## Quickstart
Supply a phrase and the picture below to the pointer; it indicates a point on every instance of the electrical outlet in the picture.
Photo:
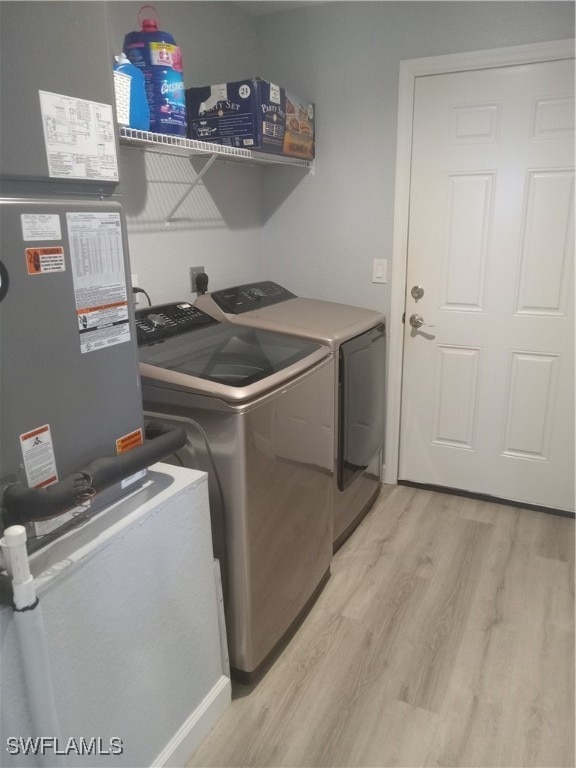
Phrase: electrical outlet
(194, 272)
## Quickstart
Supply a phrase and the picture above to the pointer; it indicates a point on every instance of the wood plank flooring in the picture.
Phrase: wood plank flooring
(445, 637)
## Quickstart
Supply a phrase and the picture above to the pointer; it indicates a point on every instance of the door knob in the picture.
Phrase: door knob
(417, 292)
(417, 321)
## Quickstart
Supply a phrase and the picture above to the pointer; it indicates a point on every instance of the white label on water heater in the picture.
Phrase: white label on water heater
(40, 226)
(38, 456)
(100, 291)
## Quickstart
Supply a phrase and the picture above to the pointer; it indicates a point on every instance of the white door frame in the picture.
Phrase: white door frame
(410, 69)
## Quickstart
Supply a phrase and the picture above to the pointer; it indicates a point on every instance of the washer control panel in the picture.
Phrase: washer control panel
(164, 321)
(251, 296)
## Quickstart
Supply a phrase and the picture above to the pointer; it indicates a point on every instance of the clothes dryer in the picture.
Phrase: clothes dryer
(253, 406)
(357, 339)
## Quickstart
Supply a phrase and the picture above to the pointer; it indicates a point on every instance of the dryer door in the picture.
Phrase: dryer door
(361, 402)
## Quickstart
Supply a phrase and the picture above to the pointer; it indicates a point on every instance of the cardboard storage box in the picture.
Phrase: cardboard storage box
(252, 114)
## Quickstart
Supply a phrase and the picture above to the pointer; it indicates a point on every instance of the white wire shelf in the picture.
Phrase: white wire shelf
(176, 145)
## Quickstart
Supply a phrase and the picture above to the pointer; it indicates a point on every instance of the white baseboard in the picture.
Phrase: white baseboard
(179, 750)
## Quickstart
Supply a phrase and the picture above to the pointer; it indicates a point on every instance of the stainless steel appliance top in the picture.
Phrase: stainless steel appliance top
(267, 305)
(183, 348)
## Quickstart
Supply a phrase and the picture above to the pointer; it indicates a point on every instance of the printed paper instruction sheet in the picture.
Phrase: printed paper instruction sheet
(79, 136)
(100, 290)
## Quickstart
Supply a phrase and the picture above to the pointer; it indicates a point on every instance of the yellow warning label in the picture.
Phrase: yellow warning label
(132, 440)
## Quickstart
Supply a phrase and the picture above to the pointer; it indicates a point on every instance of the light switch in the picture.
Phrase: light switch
(380, 271)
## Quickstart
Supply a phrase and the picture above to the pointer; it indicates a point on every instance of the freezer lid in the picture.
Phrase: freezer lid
(227, 361)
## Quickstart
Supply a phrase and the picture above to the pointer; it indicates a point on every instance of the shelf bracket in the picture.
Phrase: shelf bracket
(191, 186)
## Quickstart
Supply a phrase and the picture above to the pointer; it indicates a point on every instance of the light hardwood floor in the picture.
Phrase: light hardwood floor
(445, 637)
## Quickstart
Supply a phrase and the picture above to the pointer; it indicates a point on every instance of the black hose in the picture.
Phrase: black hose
(24, 504)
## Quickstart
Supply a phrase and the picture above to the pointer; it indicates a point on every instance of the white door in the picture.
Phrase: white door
(488, 391)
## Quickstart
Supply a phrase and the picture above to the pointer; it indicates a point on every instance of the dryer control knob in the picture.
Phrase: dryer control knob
(157, 321)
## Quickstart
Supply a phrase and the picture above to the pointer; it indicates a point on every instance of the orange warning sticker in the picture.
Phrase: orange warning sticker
(41, 261)
(126, 443)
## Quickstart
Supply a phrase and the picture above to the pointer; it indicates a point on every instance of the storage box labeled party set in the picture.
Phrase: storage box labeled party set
(252, 114)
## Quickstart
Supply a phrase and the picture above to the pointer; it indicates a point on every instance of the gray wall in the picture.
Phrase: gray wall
(321, 237)
(317, 234)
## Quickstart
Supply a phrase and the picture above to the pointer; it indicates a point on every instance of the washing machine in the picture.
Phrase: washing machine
(253, 406)
(357, 340)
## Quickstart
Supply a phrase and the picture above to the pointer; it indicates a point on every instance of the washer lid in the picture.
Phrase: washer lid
(232, 362)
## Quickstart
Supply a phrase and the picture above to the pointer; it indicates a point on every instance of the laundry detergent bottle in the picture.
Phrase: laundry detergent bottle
(132, 107)
(155, 53)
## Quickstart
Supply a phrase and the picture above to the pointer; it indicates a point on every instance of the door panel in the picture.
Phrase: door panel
(488, 381)
(531, 405)
(469, 222)
(455, 396)
(547, 243)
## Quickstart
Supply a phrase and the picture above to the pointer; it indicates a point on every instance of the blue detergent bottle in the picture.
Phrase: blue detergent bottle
(132, 108)
(156, 54)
